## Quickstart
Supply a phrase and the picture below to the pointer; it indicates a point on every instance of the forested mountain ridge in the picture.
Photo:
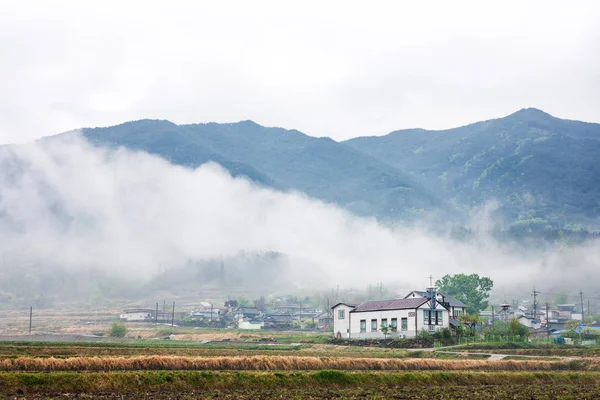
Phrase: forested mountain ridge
(542, 170)
(282, 159)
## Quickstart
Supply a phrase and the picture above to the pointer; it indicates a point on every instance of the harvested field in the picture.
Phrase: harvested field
(540, 392)
(13, 349)
(173, 383)
(273, 363)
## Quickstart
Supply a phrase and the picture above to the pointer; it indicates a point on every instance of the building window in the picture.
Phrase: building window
(457, 313)
(384, 323)
(426, 317)
(395, 323)
(373, 325)
(363, 325)
(404, 324)
(432, 327)
(438, 318)
(341, 314)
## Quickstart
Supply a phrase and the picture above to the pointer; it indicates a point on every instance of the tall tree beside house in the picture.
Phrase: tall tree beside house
(472, 290)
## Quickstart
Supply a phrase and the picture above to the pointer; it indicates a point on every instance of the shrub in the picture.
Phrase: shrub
(117, 330)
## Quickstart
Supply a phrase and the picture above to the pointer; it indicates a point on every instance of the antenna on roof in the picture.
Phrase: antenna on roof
(432, 293)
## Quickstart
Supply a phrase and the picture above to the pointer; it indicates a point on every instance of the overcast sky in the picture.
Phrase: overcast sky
(335, 69)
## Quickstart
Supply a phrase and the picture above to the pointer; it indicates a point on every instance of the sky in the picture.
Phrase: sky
(337, 69)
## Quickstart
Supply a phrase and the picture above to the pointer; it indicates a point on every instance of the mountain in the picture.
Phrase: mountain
(542, 170)
(282, 159)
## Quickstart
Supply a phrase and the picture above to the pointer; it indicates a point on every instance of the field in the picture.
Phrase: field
(59, 361)
(183, 370)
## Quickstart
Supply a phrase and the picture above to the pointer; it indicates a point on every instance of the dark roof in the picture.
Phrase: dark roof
(394, 304)
(249, 310)
(346, 304)
(455, 322)
(448, 299)
(279, 318)
(452, 301)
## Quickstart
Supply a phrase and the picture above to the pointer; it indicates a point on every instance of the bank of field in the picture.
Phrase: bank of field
(285, 363)
(56, 349)
(238, 383)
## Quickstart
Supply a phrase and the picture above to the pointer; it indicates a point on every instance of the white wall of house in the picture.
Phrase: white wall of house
(414, 322)
(135, 316)
(250, 325)
(341, 320)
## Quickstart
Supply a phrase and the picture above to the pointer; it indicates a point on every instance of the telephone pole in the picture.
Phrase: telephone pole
(535, 293)
(547, 322)
(581, 297)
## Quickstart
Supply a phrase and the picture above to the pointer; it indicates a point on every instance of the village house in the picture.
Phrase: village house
(400, 317)
(137, 315)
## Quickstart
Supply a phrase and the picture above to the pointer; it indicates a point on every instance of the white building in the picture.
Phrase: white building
(406, 317)
(250, 323)
(137, 314)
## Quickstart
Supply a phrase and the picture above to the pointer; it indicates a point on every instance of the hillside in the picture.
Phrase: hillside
(283, 159)
(542, 170)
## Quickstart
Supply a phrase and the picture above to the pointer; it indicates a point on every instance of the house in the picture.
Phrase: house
(529, 322)
(250, 323)
(278, 321)
(247, 312)
(248, 318)
(407, 317)
(325, 320)
(137, 315)
(206, 314)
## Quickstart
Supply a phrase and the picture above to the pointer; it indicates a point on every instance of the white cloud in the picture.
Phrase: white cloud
(65, 203)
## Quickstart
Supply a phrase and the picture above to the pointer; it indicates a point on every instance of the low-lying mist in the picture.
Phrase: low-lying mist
(67, 204)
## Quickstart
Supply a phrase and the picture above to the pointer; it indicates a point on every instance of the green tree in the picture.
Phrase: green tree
(470, 321)
(560, 298)
(243, 301)
(515, 328)
(472, 290)
(117, 330)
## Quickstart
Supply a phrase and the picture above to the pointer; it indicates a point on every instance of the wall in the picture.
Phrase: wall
(411, 332)
(247, 325)
(142, 316)
(341, 325)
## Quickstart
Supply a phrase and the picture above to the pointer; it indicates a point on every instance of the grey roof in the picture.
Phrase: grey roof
(448, 299)
(452, 301)
(394, 304)
(455, 322)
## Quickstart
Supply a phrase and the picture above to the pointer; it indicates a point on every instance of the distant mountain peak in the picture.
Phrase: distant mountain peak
(530, 113)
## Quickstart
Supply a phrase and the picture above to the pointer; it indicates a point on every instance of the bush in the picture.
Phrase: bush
(117, 330)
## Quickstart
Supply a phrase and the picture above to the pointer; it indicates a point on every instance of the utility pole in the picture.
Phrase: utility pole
(547, 323)
(581, 297)
(588, 310)
(30, 317)
(164, 312)
(535, 293)
(492, 317)
(173, 316)
(582, 323)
